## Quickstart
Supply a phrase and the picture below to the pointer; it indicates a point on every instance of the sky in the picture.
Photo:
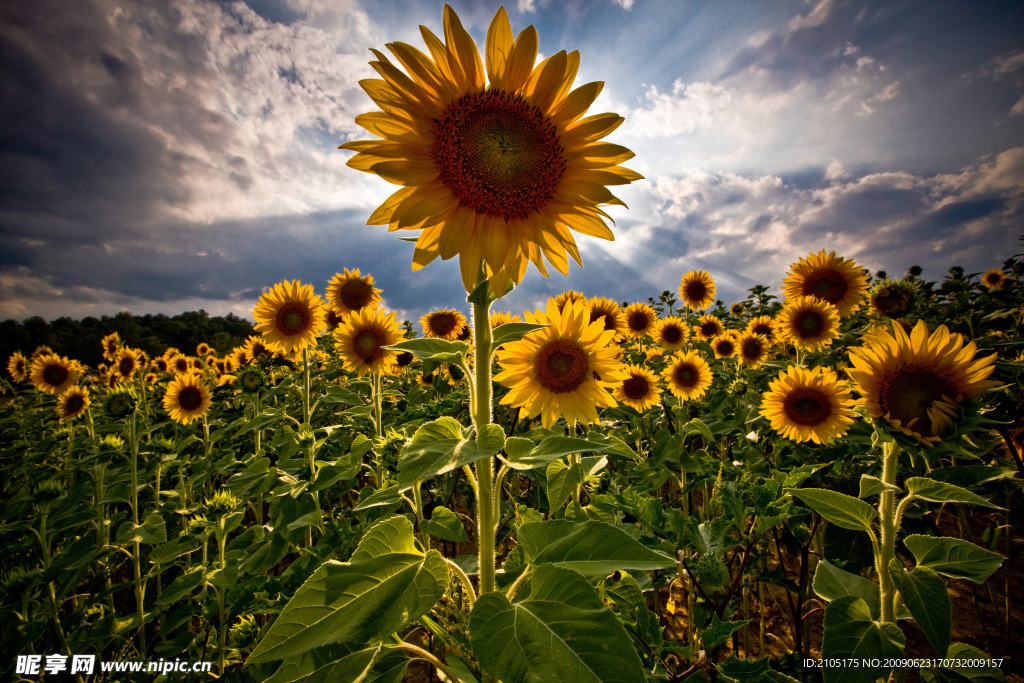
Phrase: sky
(159, 156)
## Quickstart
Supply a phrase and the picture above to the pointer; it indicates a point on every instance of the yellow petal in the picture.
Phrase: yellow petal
(462, 48)
(382, 215)
(577, 102)
(522, 59)
(406, 172)
(591, 128)
(498, 47)
(545, 80)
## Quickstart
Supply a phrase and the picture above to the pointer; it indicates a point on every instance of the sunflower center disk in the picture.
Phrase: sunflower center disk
(292, 319)
(696, 291)
(562, 366)
(356, 294)
(907, 394)
(498, 154)
(190, 398)
(672, 334)
(442, 324)
(638, 322)
(828, 285)
(807, 407)
(810, 324)
(752, 349)
(635, 388)
(367, 345)
(126, 366)
(55, 375)
(685, 376)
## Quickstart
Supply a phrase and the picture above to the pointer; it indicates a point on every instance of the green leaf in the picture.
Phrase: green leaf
(871, 486)
(590, 548)
(925, 595)
(719, 631)
(831, 583)
(181, 586)
(523, 455)
(382, 498)
(840, 509)
(953, 557)
(336, 393)
(510, 332)
(433, 349)
(440, 446)
(558, 631)
(697, 426)
(851, 634)
(562, 482)
(375, 664)
(387, 584)
(444, 524)
(257, 475)
(223, 578)
(168, 552)
(152, 530)
(941, 492)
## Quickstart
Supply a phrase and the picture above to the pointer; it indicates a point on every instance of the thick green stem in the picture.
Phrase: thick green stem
(140, 588)
(485, 517)
(887, 526)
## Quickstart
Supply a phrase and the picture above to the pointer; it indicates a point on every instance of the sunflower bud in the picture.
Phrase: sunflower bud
(243, 633)
(710, 571)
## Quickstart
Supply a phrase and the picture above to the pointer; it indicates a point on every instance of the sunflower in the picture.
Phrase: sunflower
(765, 326)
(72, 403)
(501, 318)
(120, 403)
(159, 365)
(709, 327)
(639, 390)
(352, 291)
(671, 333)
(892, 299)
(126, 361)
(737, 308)
(917, 382)
(500, 173)
(725, 345)
(752, 349)
(110, 344)
(17, 367)
(53, 374)
(203, 349)
(839, 281)
(251, 380)
(640, 319)
(808, 405)
(188, 398)
(610, 313)
(994, 279)
(688, 375)
(697, 290)
(257, 349)
(179, 364)
(565, 369)
(446, 323)
(425, 379)
(290, 316)
(809, 323)
(570, 295)
(404, 359)
(362, 337)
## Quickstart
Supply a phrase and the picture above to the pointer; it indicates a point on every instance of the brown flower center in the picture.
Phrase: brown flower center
(562, 366)
(367, 345)
(636, 388)
(190, 398)
(55, 375)
(442, 323)
(892, 302)
(752, 348)
(696, 290)
(126, 366)
(606, 318)
(638, 321)
(498, 154)
(356, 294)
(725, 347)
(292, 319)
(829, 285)
(672, 334)
(74, 404)
(807, 407)
(709, 328)
(907, 393)
(403, 359)
(810, 324)
(685, 375)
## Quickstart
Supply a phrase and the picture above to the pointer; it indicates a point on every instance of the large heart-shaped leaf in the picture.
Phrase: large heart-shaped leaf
(559, 630)
(925, 595)
(941, 492)
(591, 548)
(852, 635)
(840, 509)
(441, 446)
(953, 557)
(341, 664)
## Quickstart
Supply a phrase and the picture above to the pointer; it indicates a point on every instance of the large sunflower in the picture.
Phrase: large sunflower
(708, 327)
(640, 319)
(565, 369)
(290, 316)
(72, 403)
(671, 333)
(809, 323)
(688, 375)
(765, 326)
(808, 405)
(496, 163)
(753, 349)
(837, 280)
(361, 339)
(126, 361)
(610, 314)
(994, 279)
(351, 291)
(639, 390)
(446, 323)
(917, 382)
(697, 290)
(53, 374)
(725, 345)
(188, 398)
(17, 366)
(892, 299)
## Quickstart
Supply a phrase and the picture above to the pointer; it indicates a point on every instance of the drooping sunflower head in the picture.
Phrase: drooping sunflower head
(188, 398)
(765, 326)
(688, 375)
(53, 374)
(917, 382)
(564, 370)
(994, 279)
(809, 323)
(640, 319)
(639, 390)
(111, 343)
(709, 327)
(120, 403)
(837, 280)
(17, 366)
(251, 379)
(752, 349)
(671, 333)
(290, 316)
(446, 323)
(725, 345)
(72, 403)
(362, 337)
(610, 314)
(351, 291)
(892, 299)
(808, 405)
(570, 296)
(496, 162)
(697, 290)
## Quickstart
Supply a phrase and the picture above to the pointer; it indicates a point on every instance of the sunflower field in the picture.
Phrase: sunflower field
(822, 485)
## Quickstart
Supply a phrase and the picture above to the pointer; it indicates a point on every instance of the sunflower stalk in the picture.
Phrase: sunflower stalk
(887, 526)
(484, 467)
